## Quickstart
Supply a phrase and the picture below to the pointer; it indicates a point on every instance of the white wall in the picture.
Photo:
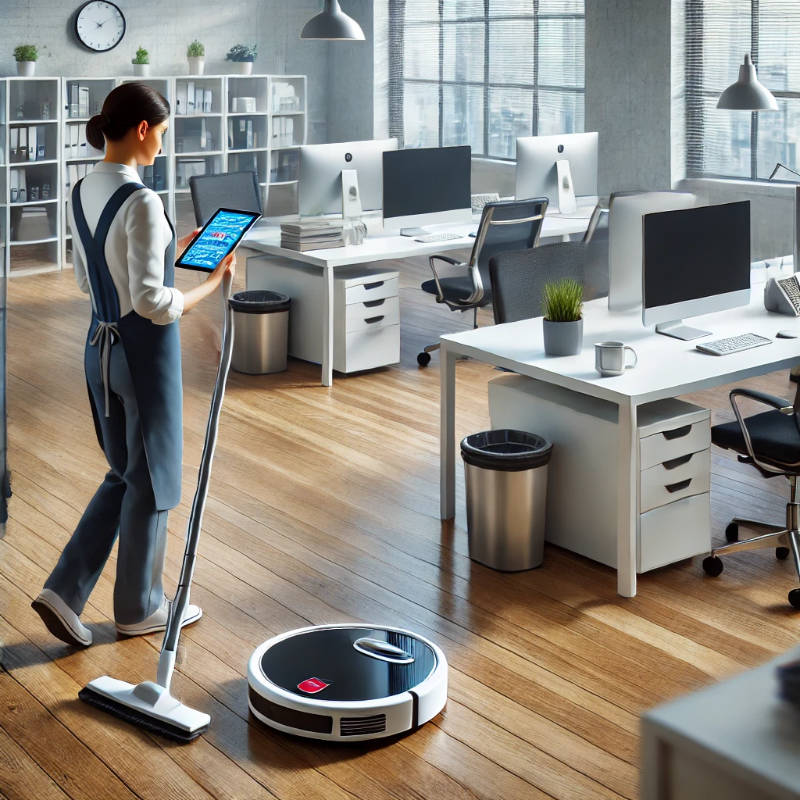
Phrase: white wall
(165, 28)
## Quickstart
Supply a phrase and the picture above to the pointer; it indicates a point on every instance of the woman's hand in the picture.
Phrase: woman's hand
(183, 242)
(225, 267)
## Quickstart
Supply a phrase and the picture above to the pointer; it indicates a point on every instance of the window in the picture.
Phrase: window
(482, 72)
(740, 144)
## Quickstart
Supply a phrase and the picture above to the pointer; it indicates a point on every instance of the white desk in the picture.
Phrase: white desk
(380, 247)
(667, 368)
(736, 739)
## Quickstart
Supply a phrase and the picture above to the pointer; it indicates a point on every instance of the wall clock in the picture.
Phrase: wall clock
(99, 25)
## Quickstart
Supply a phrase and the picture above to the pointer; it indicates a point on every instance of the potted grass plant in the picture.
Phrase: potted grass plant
(25, 55)
(141, 62)
(243, 56)
(196, 53)
(562, 307)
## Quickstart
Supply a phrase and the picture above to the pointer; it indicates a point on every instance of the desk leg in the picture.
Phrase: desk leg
(327, 327)
(447, 432)
(627, 500)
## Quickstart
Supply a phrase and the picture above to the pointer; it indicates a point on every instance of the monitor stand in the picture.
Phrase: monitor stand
(678, 330)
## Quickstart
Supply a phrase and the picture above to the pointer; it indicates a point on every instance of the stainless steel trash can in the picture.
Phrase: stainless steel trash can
(506, 477)
(261, 325)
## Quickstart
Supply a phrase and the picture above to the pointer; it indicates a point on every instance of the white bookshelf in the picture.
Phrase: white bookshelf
(243, 122)
(30, 175)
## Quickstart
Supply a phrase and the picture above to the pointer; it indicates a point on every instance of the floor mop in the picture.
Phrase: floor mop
(149, 704)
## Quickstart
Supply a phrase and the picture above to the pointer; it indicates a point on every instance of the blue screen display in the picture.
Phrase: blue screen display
(217, 240)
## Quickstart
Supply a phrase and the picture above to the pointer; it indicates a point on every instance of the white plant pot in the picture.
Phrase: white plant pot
(197, 65)
(141, 70)
(244, 67)
(26, 68)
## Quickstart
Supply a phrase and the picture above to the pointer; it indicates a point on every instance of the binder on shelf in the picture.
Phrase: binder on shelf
(72, 90)
(199, 99)
(82, 144)
(208, 101)
(181, 98)
(32, 148)
(190, 97)
(22, 147)
(13, 145)
(83, 101)
(41, 142)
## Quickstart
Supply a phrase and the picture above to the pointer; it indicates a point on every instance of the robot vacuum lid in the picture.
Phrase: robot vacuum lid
(347, 663)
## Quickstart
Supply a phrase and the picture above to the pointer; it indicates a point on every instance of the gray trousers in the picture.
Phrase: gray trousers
(124, 505)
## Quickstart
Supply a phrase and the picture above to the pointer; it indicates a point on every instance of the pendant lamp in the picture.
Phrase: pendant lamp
(333, 24)
(747, 94)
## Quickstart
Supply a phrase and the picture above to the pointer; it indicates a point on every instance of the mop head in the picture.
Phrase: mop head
(147, 705)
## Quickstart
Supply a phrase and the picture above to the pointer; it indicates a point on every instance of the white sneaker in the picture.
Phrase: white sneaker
(157, 621)
(60, 619)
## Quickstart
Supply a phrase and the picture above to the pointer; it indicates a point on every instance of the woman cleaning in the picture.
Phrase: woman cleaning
(124, 254)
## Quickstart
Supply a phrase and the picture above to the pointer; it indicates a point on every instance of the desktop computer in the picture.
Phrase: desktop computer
(425, 186)
(538, 171)
(695, 261)
(625, 213)
(321, 165)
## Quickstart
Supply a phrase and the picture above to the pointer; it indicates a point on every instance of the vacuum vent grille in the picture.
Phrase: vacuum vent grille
(360, 726)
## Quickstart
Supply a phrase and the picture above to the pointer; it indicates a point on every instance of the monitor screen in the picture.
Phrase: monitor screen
(696, 253)
(426, 180)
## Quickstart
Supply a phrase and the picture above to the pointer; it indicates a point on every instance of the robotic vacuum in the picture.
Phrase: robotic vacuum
(347, 682)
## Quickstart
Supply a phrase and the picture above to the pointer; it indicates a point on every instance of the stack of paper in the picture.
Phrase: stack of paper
(311, 235)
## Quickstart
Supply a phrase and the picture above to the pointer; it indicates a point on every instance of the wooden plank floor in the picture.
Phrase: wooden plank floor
(324, 508)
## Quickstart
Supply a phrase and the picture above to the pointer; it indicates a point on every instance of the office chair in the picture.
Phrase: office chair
(506, 225)
(770, 441)
(517, 278)
(237, 190)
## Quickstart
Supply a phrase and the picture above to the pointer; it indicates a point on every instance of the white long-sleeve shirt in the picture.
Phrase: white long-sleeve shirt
(135, 246)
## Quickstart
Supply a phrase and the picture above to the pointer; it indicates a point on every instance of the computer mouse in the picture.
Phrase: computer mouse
(787, 334)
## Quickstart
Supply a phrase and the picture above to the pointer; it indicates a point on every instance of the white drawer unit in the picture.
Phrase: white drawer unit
(674, 463)
(366, 311)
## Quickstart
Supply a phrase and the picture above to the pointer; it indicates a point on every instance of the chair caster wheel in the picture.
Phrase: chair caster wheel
(423, 359)
(781, 553)
(713, 566)
(794, 598)
(732, 532)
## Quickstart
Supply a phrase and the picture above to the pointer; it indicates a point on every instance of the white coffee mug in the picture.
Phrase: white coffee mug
(609, 358)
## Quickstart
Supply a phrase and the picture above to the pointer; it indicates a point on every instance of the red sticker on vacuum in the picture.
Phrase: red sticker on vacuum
(312, 685)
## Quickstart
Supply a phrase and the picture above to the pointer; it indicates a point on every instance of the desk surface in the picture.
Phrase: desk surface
(380, 246)
(667, 367)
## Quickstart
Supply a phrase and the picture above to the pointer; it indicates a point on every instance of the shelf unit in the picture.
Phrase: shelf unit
(243, 122)
(30, 175)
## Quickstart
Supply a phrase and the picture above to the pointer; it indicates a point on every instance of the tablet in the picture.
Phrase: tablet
(218, 237)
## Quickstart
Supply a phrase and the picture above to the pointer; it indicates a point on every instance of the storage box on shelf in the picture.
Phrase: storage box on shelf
(31, 186)
(674, 463)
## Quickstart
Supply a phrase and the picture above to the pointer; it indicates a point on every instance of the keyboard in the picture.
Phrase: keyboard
(438, 237)
(733, 344)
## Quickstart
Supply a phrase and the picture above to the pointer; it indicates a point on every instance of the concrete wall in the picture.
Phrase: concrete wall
(165, 29)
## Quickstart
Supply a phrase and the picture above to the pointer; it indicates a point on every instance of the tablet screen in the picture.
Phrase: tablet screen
(218, 237)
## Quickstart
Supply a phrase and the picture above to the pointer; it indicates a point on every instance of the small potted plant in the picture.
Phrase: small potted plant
(25, 56)
(563, 321)
(141, 62)
(196, 52)
(243, 56)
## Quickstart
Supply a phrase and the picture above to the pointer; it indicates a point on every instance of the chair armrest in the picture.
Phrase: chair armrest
(784, 406)
(448, 260)
(778, 403)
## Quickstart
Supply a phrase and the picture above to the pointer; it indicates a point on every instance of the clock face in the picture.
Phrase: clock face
(99, 25)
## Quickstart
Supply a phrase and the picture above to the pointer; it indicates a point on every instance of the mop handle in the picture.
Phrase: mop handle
(166, 661)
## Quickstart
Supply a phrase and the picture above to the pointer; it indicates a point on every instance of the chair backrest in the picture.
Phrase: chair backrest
(237, 190)
(507, 225)
(595, 241)
(518, 278)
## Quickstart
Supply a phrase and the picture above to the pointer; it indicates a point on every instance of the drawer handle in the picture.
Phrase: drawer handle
(374, 285)
(373, 303)
(677, 462)
(677, 433)
(676, 487)
(372, 320)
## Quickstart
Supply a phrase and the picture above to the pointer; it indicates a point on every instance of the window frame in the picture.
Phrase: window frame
(397, 80)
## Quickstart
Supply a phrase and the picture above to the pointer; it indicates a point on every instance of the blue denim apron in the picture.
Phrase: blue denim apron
(153, 353)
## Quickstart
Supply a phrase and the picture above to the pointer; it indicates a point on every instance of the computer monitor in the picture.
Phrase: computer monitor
(321, 165)
(626, 210)
(695, 261)
(537, 174)
(425, 186)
